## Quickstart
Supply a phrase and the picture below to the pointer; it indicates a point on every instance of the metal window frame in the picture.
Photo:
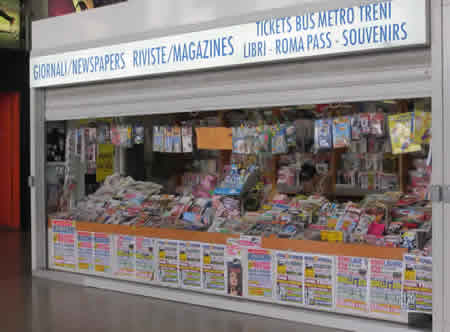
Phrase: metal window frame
(414, 82)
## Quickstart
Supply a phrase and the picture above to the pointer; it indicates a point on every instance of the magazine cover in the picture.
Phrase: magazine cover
(235, 272)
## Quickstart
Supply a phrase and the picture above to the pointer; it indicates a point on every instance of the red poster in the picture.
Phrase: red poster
(63, 7)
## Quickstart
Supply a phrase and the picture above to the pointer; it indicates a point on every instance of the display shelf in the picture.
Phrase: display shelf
(56, 163)
(345, 191)
(274, 243)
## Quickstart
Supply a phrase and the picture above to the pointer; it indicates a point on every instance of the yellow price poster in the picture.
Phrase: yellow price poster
(309, 273)
(105, 161)
(183, 256)
(207, 259)
(282, 269)
(410, 275)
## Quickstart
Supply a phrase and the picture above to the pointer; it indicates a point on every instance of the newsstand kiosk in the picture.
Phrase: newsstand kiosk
(152, 171)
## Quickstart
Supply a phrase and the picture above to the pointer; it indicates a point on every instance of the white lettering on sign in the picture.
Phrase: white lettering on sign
(381, 25)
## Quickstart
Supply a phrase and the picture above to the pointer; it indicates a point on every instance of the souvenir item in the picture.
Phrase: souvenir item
(365, 123)
(356, 127)
(115, 135)
(323, 134)
(176, 137)
(422, 127)
(377, 124)
(168, 140)
(238, 140)
(401, 133)
(279, 143)
(186, 133)
(103, 133)
(156, 139)
(341, 132)
(138, 133)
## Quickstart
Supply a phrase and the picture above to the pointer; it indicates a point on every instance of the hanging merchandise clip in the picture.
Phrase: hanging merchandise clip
(436, 193)
(446, 194)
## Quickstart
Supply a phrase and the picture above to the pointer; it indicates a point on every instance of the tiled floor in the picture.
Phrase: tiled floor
(40, 305)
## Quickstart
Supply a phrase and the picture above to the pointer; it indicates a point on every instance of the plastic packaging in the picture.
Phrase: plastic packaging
(377, 124)
(341, 132)
(186, 133)
(323, 134)
(401, 133)
(138, 133)
(356, 127)
(279, 143)
(422, 127)
(365, 123)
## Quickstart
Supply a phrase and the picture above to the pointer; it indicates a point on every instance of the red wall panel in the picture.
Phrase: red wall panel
(10, 160)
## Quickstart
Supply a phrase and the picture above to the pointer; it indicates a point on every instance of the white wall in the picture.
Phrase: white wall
(127, 21)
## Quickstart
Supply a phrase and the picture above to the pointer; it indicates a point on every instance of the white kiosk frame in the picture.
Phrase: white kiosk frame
(406, 73)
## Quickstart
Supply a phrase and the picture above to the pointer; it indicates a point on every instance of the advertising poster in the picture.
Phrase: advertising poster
(102, 253)
(352, 283)
(125, 256)
(190, 264)
(10, 15)
(386, 286)
(64, 7)
(64, 242)
(85, 251)
(145, 259)
(259, 273)
(289, 277)
(58, 243)
(248, 241)
(319, 271)
(168, 262)
(214, 276)
(105, 161)
(233, 256)
(418, 283)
